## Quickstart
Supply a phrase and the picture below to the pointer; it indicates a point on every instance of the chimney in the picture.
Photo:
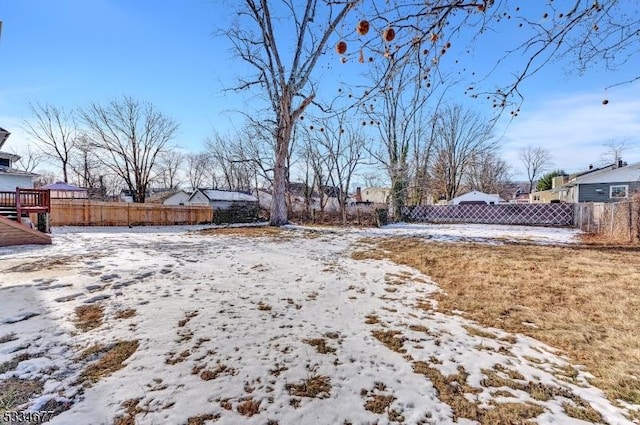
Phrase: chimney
(358, 194)
(620, 163)
(591, 166)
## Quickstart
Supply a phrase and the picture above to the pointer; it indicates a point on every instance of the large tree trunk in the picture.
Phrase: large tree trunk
(278, 200)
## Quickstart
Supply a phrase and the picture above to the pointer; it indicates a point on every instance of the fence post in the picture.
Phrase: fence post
(613, 213)
(578, 210)
(630, 222)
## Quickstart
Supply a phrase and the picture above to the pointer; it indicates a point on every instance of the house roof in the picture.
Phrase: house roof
(4, 135)
(12, 156)
(62, 186)
(627, 173)
(14, 172)
(227, 195)
(162, 197)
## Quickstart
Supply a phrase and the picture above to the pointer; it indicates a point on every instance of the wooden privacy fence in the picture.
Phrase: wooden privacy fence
(82, 212)
(619, 221)
(527, 214)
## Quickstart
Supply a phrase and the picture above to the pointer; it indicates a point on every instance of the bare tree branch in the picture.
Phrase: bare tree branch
(130, 135)
(54, 130)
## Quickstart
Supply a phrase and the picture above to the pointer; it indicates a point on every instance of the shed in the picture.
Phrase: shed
(477, 197)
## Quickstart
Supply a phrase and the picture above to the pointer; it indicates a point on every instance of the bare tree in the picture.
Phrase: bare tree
(85, 164)
(614, 149)
(198, 164)
(340, 147)
(487, 173)
(44, 178)
(317, 161)
(536, 161)
(54, 131)
(461, 135)
(169, 164)
(130, 136)
(265, 41)
(29, 160)
(405, 131)
(228, 158)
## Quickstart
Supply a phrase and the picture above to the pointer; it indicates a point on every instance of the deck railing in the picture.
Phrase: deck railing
(27, 201)
(7, 199)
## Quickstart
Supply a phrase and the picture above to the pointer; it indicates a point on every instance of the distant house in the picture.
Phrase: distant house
(612, 183)
(181, 197)
(476, 197)
(62, 190)
(221, 199)
(551, 195)
(10, 178)
(127, 195)
(376, 195)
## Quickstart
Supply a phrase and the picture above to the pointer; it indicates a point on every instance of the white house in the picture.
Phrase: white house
(221, 199)
(477, 197)
(10, 178)
(376, 195)
(181, 197)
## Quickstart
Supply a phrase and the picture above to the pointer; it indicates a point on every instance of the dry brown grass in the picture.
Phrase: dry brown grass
(187, 317)
(112, 361)
(320, 345)
(209, 374)
(582, 299)
(263, 307)
(389, 339)
(200, 420)
(125, 314)
(131, 405)
(378, 403)
(15, 392)
(95, 349)
(89, 316)
(12, 364)
(452, 389)
(252, 231)
(317, 386)
(249, 407)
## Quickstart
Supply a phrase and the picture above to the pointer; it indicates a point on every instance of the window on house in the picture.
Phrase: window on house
(619, 191)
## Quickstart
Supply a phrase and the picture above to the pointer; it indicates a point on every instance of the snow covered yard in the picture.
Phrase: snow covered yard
(162, 326)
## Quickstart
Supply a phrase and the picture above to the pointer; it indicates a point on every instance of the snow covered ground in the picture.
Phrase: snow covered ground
(230, 328)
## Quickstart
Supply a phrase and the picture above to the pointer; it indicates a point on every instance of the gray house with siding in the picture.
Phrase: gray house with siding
(614, 183)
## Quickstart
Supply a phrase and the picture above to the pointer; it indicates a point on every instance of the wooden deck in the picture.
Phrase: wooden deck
(16, 205)
(14, 233)
(27, 200)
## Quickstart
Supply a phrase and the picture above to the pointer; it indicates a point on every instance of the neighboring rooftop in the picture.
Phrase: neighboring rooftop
(227, 195)
(610, 173)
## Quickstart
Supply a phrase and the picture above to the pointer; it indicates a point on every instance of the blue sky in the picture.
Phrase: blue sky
(73, 52)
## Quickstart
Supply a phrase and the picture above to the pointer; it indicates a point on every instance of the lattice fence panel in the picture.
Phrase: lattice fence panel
(529, 214)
